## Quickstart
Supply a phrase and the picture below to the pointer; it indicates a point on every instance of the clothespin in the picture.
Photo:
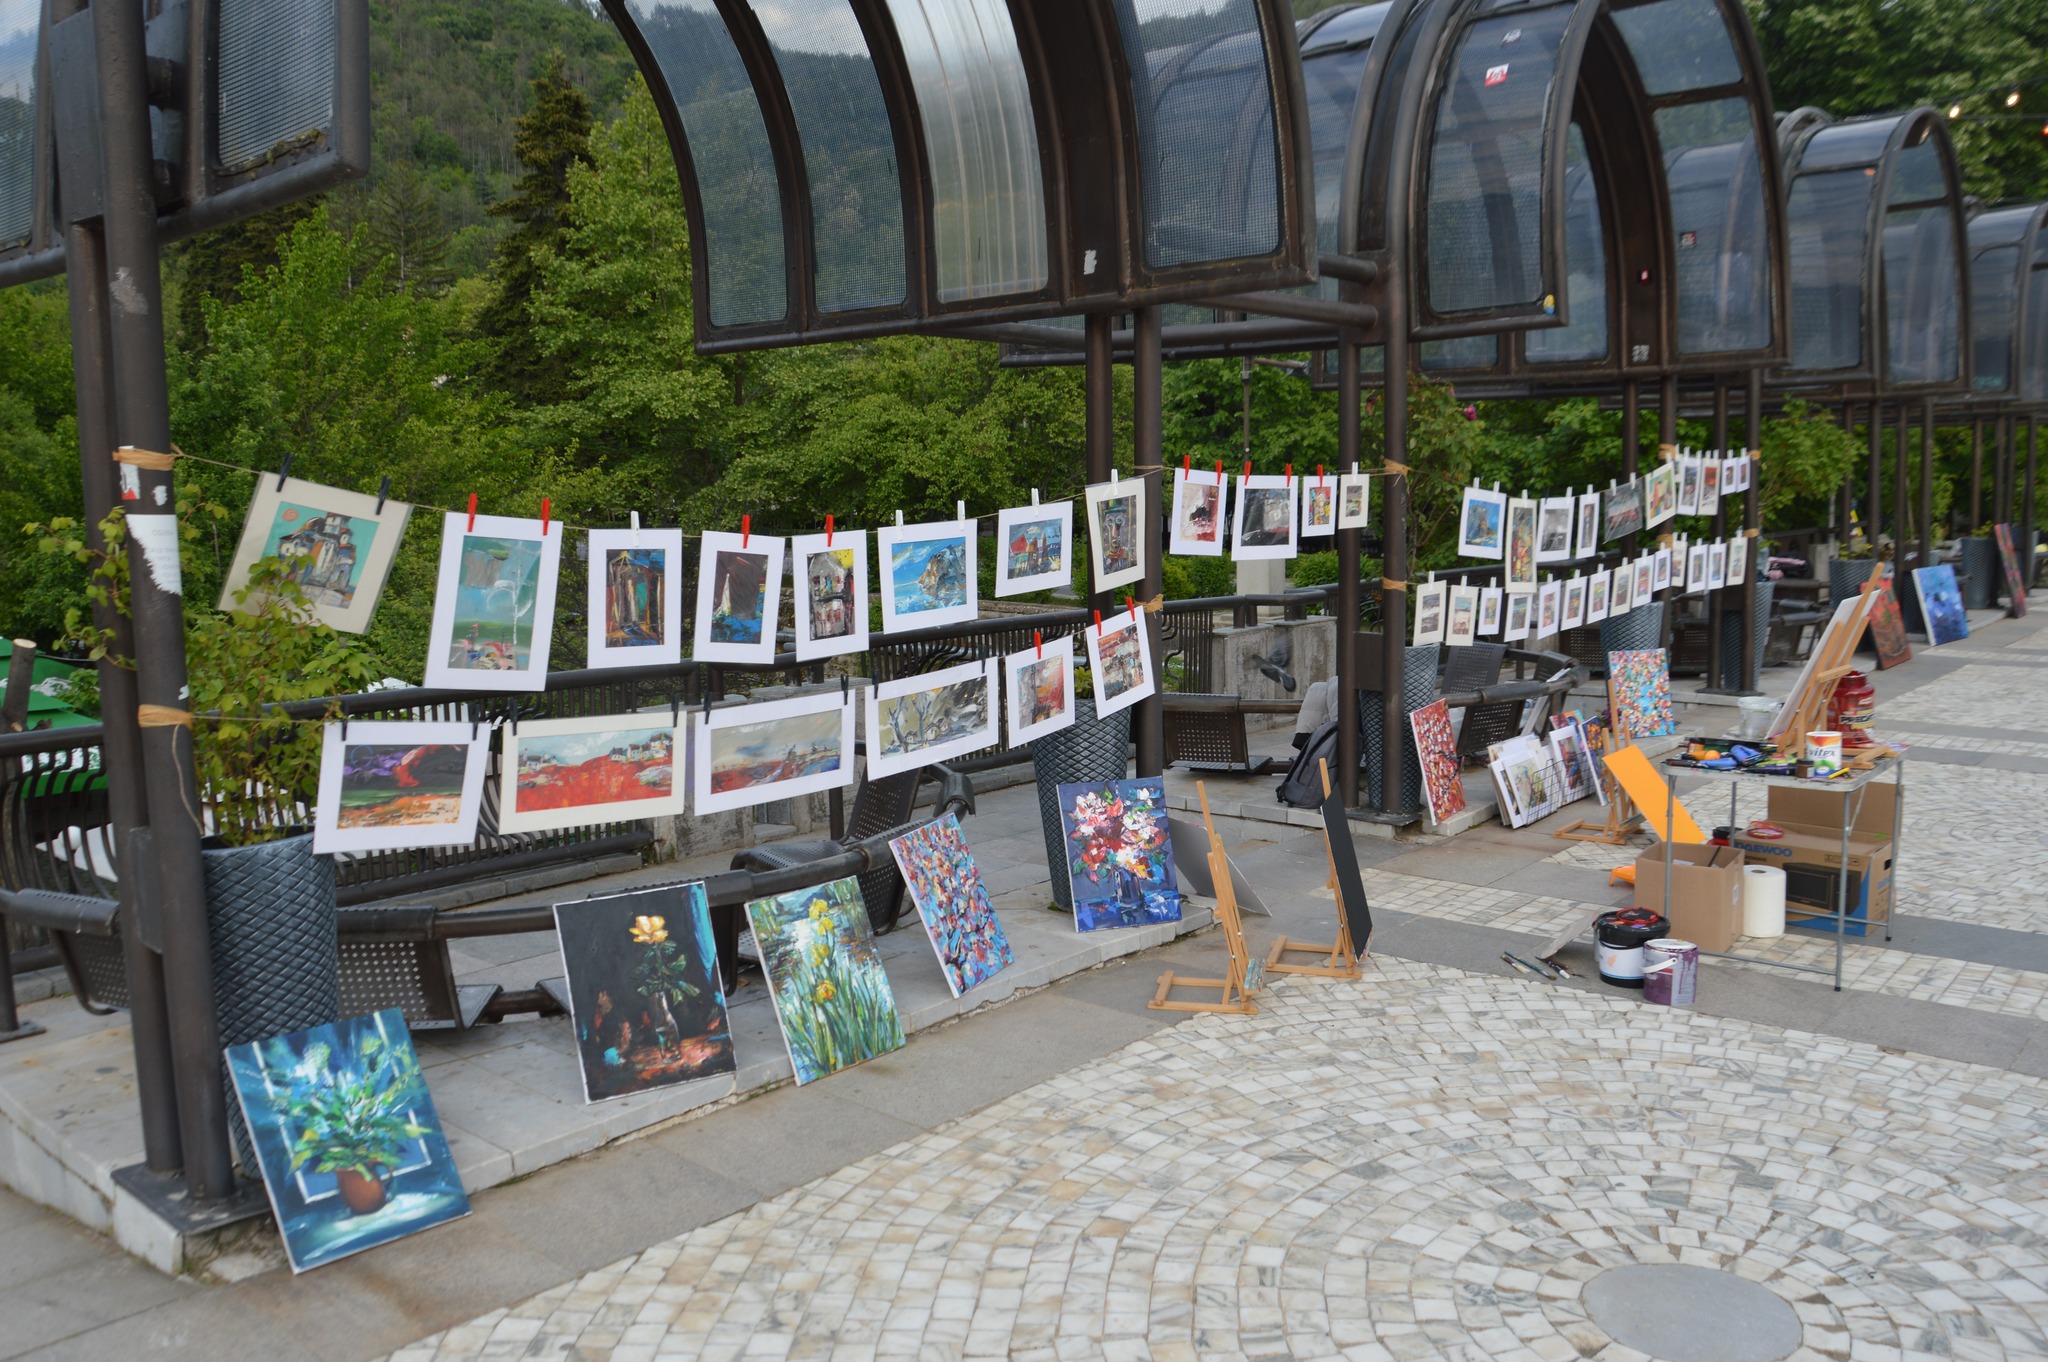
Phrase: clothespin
(1098, 623)
(1219, 472)
(1247, 467)
(828, 529)
(1034, 496)
(475, 726)
(746, 529)
(1185, 461)
(845, 689)
(383, 494)
(344, 730)
(675, 708)
(1319, 475)
(543, 517)
(959, 510)
(899, 520)
(472, 523)
(284, 470)
(1290, 475)
(1038, 641)
(707, 699)
(636, 528)
(1132, 602)
(513, 718)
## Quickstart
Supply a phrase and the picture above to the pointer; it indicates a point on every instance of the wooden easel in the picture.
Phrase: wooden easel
(1834, 657)
(1622, 815)
(1340, 958)
(1236, 988)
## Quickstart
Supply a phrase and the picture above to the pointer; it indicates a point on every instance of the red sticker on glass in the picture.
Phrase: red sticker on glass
(1496, 75)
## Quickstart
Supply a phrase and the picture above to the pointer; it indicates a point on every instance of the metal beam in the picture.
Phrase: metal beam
(1350, 601)
(1148, 721)
(1300, 307)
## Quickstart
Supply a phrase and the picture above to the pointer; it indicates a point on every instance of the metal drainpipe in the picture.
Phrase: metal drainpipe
(1631, 442)
(1753, 443)
(1148, 721)
(1899, 498)
(1977, 476)
(1099, 397)
(1350, 551)
(1926, 480)
(1714, 605)
(1394, 600)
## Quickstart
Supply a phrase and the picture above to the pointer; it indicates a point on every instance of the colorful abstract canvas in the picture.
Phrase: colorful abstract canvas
(1888, 629)
(1119, 853)
(951, 899)
(392, 786)
(1941, 604)
(1639, 693)
(1436, 751)
(494, 609)
(565, 773)
(644, 993)
(336, 545)
(351, 1149)
(831, 995)
(2015, 580)
(636, 597)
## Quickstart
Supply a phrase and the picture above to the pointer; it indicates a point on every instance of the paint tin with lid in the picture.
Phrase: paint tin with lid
(1671, 972)
(1618, 940)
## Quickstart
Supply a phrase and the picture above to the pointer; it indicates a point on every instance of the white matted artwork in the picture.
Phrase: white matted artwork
(396, 786)
(1489, 610)
(1116, 532)
(1596, 596)
(1660, 494)
(1621, 590)
(1120, 656)
(1265, 517)
(1696, 569)
(829, 573)
(1646, 583)
(1589, 526)
(1735, 474)
(1461, 625)
(743, 755)
(1738, 560)
(336, 544)
(1548, 600)
(1482, 524)
(739, 595)
(568, 773)
(1354, 501)
(1034, 548)
(1661, 567)
(1572, 613)
(1554, 529)
(1431, 600)
(1520, 573)
(1038, 684)
(1717, 565)
(928, 575)
(1318, 505)
(1710, 486)
(1688, 486)
(494, 603)
(1521, 605)
(636, 597)
(1197, 513)
(914, 721)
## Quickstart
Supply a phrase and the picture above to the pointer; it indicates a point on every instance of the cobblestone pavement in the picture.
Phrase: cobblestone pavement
(1424, 1163)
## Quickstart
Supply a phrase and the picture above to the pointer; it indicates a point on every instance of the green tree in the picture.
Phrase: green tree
(212, 264)
(406, 227)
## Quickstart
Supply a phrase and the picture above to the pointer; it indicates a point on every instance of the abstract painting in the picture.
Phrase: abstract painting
(1888, 629)
(1639, 693)
(1710, 486)
(2015, 580)
(914, 721)
(1596, 596)
(1040, 685)
(1548, 598)
(393, 786)
(1624, 512)
(1116, 532)
(1688, 486)
(777, 749)
(1119, 853)
(739, 595)
(831, 995)
(565, 773)
(1461, 625)
(829, 574)
(1034, 548)
(1354, 501)
(1267, 509)
(1318, 506)
(1489, 609)
(951, 899)
(1738, 560)
(351, 1149)
(336, 545)
(1695, 568)
(1574, 609)
(1588, 536)
(1430, 601)
(1520, 607)
(1554, 529)
(1197, 513)
(636, 597)
(1660, 494)
(644, 994)
(1120, 656)
(1521, 549)
(1941, 604)
(928, 575)
(494, 609)
(1481, 522)
(1436, 750)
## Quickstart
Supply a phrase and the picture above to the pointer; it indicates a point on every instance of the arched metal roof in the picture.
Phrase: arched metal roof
(855, 167)
(2008, 250)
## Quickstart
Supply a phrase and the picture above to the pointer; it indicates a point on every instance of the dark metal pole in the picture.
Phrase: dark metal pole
(1394, 574)
(1926, 481)
(1350, 552)
(1899, 498)
(1667, 449)
(2027, 509)
(1714, 610)
(1099, 395)
(21, 675)
(1977, 476)
(1753, 442)
(142, 419)
(1148, 721)
(1845, 501)
(1873, 496)
(1631, 441)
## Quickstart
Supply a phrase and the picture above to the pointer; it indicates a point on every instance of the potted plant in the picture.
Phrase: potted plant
(1091, 748)
(353, 1119)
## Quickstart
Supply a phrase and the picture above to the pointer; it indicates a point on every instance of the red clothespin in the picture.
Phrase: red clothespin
(543, 517)
(1219, 470)
(1247, 467)
(828, 531)
(1038, 642)
(1098, 621)
(1132, 602)
(1290, 472)
(1185, 461)
(472, 511)
(1319, 475)
(746, 529)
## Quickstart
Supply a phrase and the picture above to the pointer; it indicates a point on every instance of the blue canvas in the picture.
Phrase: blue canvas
(351, 1148)
(1119, 853)
(1941, 604)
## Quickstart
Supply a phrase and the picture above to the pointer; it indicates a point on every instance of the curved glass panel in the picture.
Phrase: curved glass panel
(2034, 377)
(1465, 352)
(19, 39)
(1485, 198)
(1922, 301)
(737, 185)
(1916, 173)
(1332, 80)
(1679, 45)
(276, 74)
(1208, 169)
(1356, 24)
(849, 156)
(1585, 256)
(1827, 221)
(988, 195)
(1992, 306)
(1720, 224)
(1848, 144)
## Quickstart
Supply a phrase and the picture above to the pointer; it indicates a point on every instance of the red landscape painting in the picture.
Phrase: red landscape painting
(573, 770)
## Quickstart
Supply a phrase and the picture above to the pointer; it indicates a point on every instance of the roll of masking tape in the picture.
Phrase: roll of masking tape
(1763, 901)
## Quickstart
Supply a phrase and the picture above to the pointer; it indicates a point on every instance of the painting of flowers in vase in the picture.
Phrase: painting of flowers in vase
(1119, 853)
(644, 995)
(832, 996)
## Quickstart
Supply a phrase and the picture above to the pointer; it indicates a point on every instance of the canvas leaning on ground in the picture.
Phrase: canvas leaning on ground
(565, 773)
(350, 1146)
(831, 995)
(745, 755)
(914, 721)
(337, 546)
(1941, 604)
(636, 597)
(829, 573)
(1436, 751)
(939, 871)
(644, 994)
(388, 786)
(739, 595)
(494, 608)
(1119, 853)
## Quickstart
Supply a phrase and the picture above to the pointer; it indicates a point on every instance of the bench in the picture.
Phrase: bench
(1206, 732)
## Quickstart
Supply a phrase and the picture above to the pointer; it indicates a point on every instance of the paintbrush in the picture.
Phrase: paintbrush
(1542, 968)
(1517, 964)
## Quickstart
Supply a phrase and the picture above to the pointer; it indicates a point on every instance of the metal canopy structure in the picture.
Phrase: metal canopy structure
(2008, 319)
(858, 167)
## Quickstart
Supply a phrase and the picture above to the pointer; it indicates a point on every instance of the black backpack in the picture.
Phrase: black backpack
(1302, 786)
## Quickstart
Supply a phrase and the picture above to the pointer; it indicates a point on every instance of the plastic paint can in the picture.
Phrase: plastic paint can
(1671, 972)
(1618, 940)
(1824, 750)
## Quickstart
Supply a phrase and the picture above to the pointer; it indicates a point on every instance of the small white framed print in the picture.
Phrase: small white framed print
(1717, 565)
(1596, 596)
(1738, 560)
(1574, 608)
(337, 545)
(1120, 656)
(1354, 501)
(1554, 529)
(1663, 566)
(1696, 569)
(1461, 625)
(1034, 548)
(1520, 606)
(1489, 610)
(1266, 517)
(1198, 513)
(743, 755)
(1688, 486)
(1621, 590)
(1710, 486)
(1735, 474)
(829, 573)
(1482, 524)
(1318, 505)
(1646, 579)
(1548, 600)
(1038, 685)
(494, 603)
(636, 597)
(928, 575)
(1431, 601)
(1520, 574)
(388, 786)
(568, 773)
(1589, 526)
(914, 721)
(739, 596)
(1116, 532)
(1660, 494)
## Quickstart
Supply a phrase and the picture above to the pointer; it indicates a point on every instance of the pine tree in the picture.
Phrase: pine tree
(210, 265)
(552, 135)
(406, 224)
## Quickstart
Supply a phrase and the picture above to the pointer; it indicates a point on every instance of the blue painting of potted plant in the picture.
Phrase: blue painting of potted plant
(356, 1120)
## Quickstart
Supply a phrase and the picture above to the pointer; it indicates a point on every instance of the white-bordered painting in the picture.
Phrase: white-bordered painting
(1120, 656)
(1354, 501)
(743, 755)
(1689, 485)
(1548, 598)
(829, 577)
(337, 545)
(1520, 574)
(494, 606)
(1554, 521)
(1520, 605)
(1660, 494)
(567, 773)
(1116, 532)
(914, 721)
(1198, 513)
(928, 575)
(1489, 610)
(1574, 609)
(1318, 505)
(1738, 560)
(1461, 624)
(1038, 686)
(1034, 548)
(1482, 524)
(1596, 596)
(394, 786)
(1432, 602)
(1589, 526)
(1662, 567)
(1717, 565)
(636, 598)
(739, 596)
(1265, 518)
(1695, 569)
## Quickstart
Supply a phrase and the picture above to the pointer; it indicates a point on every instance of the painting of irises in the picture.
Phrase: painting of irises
(644, 994)
(953, 902)
(832, 997)
(1119, 853)
(350, 1146)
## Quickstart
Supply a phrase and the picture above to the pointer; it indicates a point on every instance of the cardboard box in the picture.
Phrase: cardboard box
(1810, 854)
(1706, 891)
